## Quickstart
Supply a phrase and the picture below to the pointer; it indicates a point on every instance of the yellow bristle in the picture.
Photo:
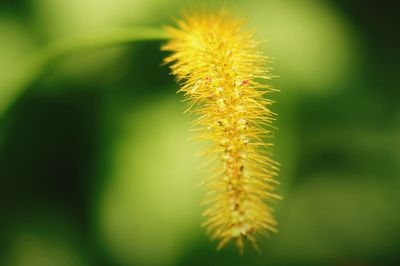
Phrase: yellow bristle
(221, 71)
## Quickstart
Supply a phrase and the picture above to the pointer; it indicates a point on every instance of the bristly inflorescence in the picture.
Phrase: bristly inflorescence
(221, 69)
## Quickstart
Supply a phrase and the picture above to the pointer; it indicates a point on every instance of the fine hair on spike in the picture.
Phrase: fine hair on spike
(222, 73)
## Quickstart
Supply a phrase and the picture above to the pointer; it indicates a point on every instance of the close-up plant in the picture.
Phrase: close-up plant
(218, 66)
(167, 133)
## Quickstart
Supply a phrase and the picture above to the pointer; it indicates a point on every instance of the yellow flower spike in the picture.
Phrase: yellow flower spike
(221, 68)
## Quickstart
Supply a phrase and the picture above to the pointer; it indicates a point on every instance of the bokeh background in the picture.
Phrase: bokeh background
(95, 163)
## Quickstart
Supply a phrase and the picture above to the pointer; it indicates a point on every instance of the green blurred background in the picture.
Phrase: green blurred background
(95, 163)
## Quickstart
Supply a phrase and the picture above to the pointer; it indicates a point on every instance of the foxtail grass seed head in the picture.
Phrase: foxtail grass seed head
(222, 71)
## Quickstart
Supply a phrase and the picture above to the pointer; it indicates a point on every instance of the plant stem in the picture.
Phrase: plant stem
(25, 71)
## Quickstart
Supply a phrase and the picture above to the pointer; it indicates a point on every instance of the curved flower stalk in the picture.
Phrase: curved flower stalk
(221, 69)
(18, 77)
